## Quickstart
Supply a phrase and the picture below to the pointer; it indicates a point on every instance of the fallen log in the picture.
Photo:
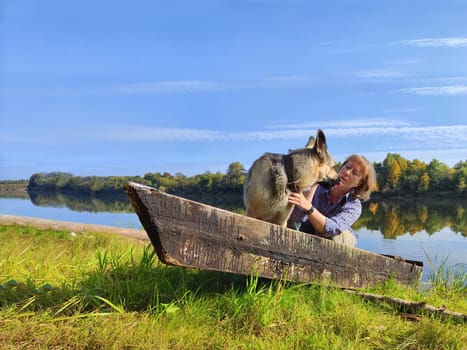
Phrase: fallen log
(412, 307)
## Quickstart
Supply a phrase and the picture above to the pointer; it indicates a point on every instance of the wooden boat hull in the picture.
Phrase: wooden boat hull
(191, 234)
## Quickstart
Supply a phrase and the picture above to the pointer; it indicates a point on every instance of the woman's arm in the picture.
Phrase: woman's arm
(343, 219)
(329, 226)
(303, 201)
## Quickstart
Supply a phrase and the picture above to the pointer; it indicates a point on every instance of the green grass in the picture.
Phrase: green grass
(59, 291)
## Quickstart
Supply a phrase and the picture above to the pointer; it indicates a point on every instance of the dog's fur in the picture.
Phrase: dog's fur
(273, 176)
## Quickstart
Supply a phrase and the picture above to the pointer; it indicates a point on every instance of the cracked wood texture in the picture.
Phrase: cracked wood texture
(191, 234)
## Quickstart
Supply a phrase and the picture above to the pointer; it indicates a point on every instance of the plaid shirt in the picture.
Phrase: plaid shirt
(339, 217)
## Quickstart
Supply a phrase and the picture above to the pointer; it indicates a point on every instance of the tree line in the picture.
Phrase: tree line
(395, 175)
(207, 183)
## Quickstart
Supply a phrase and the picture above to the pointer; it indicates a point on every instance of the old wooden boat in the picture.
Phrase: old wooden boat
(191, 234)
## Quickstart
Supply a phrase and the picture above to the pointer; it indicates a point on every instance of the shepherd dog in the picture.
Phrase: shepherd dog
(273, 176)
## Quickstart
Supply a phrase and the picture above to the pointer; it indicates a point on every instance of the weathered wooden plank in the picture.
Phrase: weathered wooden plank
(191, 234)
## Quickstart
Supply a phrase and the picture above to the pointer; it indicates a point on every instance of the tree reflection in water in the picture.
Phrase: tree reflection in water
(114, 203)
(396, 217)
(392, 217)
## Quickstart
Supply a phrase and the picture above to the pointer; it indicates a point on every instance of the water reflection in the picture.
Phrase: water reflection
(393, 218)
(397, 217)
(119, 203)
(114, 203)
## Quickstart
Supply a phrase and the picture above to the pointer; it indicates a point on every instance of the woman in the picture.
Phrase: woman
(331, 212)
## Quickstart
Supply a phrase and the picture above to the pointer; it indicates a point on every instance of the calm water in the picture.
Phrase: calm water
(432, 234)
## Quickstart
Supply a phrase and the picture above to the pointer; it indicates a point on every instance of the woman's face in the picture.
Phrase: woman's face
(350, 175)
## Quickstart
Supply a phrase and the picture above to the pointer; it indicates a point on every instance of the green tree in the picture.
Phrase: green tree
(392, 171)
(235, 177)
(380, 178)
(460, 177)
(413, 173)
(439, 175)
(394, 175)
(424, 183)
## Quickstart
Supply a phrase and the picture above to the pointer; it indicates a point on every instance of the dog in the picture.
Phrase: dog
(272, 177)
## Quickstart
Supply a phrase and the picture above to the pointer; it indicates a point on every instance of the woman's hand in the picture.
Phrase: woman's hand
(299, 200)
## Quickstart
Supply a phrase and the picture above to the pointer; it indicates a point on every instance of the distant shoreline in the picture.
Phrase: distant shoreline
(13, 187)
(20, 190)
(14, 191)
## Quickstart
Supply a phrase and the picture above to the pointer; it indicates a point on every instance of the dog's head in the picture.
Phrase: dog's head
(326, 171)
(313, 163)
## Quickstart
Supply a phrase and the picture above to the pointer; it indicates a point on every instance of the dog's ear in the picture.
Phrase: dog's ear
(310, 143)
(320, 144)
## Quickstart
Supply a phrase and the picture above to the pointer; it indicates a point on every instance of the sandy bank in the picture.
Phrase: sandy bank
(71, 226)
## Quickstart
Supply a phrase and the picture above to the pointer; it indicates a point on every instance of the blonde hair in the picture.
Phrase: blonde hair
(368, 182)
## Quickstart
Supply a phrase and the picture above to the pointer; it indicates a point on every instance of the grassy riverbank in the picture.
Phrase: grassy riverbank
(60, 290)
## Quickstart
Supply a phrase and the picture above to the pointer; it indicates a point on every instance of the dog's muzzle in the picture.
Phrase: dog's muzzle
(329, 183)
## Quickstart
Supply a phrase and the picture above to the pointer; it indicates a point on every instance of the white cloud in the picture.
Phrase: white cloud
(379, 74)
(347, 123)
(168, 87)
(453, 136)
(453, 90)
(402, 110)
(374, 135)
(193, 86)
(437, 42)
(287, 80)
(156, 134)
(453, 80)
(404, 62)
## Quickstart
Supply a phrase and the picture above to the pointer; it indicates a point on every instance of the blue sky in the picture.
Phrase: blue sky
(130, 87)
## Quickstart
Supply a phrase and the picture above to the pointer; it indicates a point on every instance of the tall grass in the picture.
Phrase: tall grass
(445, 278)
(447, 282)
(103, 292)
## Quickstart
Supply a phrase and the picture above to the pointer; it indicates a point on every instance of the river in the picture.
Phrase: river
(434, 234)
